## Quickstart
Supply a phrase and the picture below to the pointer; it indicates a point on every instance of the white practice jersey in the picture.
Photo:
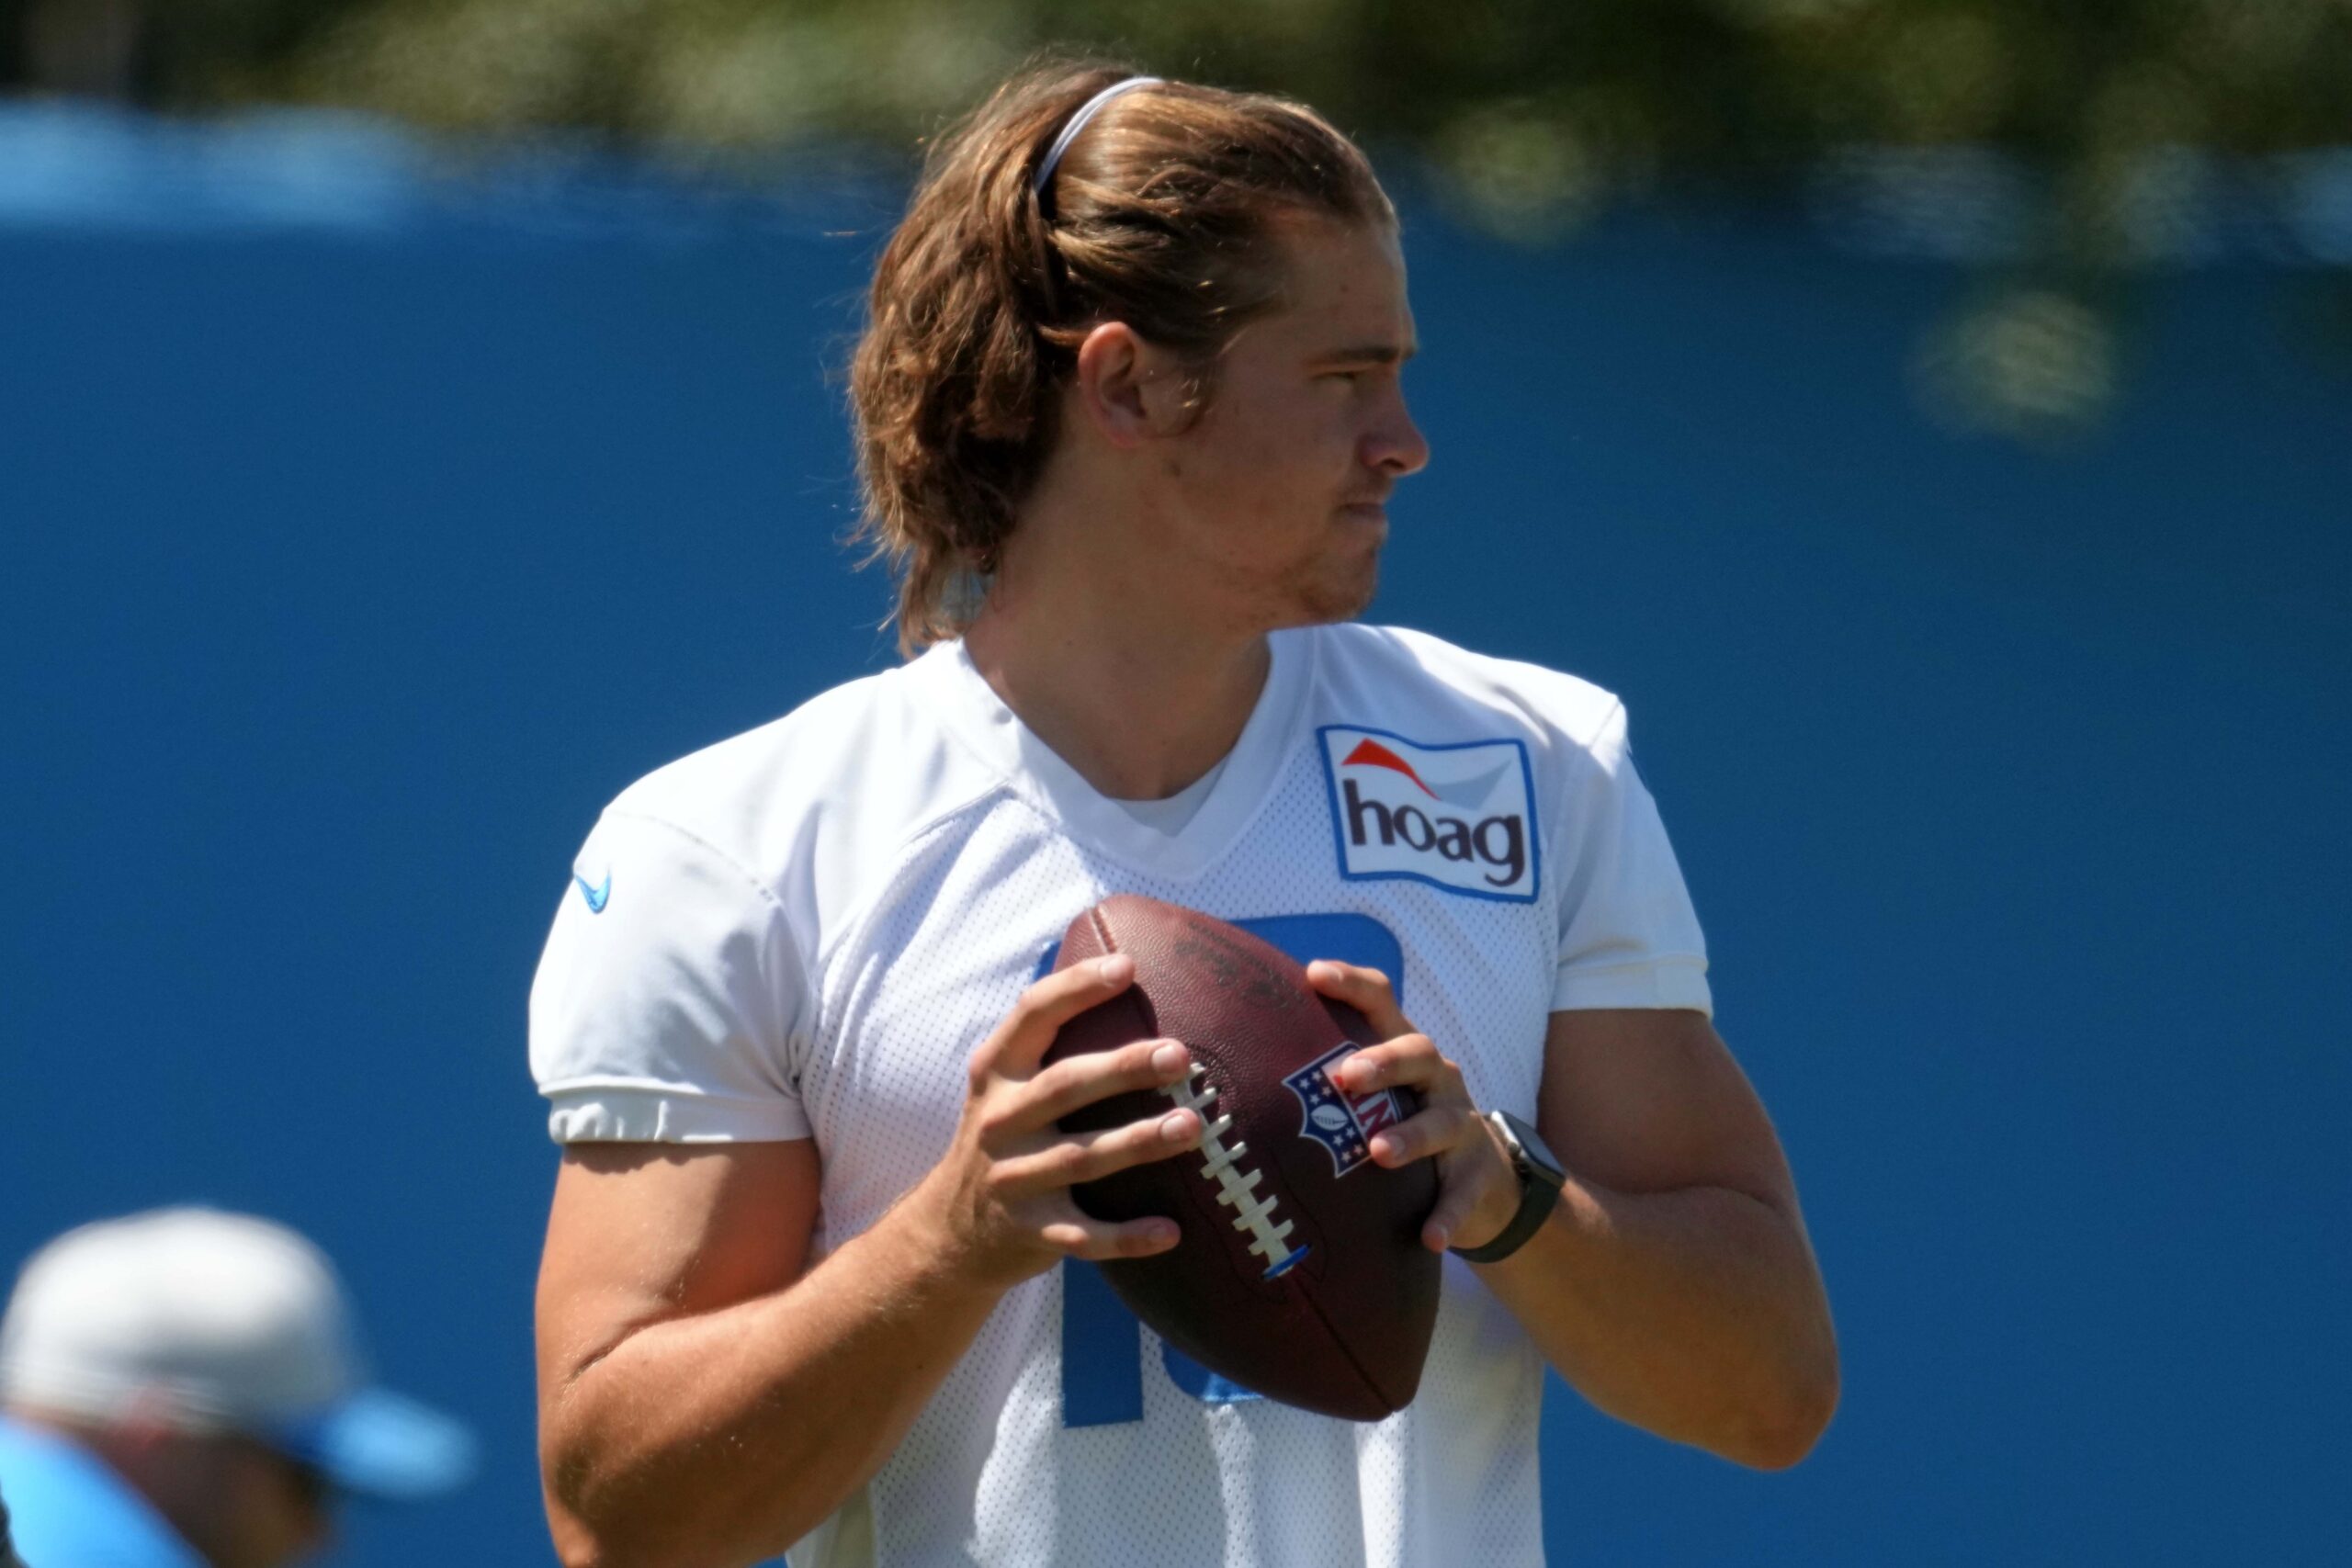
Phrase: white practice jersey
(804, 932)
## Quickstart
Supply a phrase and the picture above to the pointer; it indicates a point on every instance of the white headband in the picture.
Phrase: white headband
(1086, 111)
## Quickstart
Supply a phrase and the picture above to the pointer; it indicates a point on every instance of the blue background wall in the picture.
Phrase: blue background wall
(363, 531)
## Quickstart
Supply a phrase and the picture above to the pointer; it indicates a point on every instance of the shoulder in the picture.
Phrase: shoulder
(831, 747)
(1412, 677)
(845, 775)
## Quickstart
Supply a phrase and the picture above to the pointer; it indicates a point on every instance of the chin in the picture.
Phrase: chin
(1335, 598)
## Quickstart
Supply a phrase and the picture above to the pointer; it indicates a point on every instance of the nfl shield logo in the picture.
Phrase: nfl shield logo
(1344, 1126)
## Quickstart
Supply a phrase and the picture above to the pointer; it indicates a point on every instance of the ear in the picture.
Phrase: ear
(1130, 389)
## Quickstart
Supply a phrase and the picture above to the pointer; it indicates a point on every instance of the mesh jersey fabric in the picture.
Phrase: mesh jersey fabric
(804, 931)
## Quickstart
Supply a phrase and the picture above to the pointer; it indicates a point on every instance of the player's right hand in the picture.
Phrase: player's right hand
(1000, 1196)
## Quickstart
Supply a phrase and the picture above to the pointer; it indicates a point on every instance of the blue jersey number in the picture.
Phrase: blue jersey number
(1102, 1341)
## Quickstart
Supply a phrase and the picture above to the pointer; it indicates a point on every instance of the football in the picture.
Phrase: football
(1299, 1273)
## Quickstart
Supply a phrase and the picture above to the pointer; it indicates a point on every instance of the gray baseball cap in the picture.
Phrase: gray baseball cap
(221, 1322)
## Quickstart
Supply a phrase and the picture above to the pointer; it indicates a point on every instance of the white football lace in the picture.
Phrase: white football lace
(1237, 1188)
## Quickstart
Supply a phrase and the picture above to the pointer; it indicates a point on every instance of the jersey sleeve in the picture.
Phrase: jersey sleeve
(668, 998)
(1629, 937)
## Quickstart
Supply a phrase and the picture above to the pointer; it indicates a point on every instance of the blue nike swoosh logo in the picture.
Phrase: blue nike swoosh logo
(594, 895)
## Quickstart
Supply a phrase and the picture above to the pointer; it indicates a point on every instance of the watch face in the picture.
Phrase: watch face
(1539, 1152)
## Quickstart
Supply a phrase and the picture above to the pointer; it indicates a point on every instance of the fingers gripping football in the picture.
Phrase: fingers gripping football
(1477, 1191)
(1002, 1194)
(1088, 1157)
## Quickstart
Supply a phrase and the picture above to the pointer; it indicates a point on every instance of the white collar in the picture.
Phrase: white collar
(971, 709)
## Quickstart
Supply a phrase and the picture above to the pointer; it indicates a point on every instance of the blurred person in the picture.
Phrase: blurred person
(1130, 408)
(181, 1387)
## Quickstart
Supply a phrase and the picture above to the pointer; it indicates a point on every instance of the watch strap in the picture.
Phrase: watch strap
(1536, 1197)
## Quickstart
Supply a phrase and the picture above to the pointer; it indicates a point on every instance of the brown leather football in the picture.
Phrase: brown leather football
(1300, 1273)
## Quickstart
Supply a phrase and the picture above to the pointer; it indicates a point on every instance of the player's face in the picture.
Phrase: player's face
(1284, 479)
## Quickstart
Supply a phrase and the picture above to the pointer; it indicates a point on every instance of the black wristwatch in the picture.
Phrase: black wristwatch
(1540, 1180)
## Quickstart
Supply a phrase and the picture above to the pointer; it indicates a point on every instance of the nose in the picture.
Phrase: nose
(1395, 446)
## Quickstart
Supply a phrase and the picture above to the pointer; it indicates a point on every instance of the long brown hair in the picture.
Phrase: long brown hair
(1161, 214)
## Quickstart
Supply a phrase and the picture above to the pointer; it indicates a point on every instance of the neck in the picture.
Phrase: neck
(1109, 662)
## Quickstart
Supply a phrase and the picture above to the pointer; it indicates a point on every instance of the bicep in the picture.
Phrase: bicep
(642, 1232)
(1649, 1099)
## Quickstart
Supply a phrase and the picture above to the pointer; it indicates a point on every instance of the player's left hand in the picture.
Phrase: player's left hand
(1477, 1191)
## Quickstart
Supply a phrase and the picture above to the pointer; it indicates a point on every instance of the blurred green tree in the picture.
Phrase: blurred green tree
(2099, 117)
(1600, 92)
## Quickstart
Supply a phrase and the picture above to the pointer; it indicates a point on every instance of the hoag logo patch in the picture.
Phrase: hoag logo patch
(1459, 816)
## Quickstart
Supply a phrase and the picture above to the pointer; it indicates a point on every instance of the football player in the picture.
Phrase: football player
(1130, 410)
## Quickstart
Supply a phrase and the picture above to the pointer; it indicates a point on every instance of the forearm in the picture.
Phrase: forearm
(721, 1438)
(1697, 1313)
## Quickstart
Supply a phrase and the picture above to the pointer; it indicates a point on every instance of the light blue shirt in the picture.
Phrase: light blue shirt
(9, 1558)
(66, 1508)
